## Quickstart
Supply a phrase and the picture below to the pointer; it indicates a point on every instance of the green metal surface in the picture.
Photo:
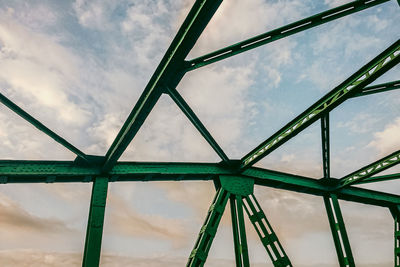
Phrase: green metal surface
(94, 232)
(265, 232)
(178, 99)
(235, 179)
(281, 32)
(380, 178)
(397, 241)
(200, 251)
(240, 192)
(239, 232)
(325, 145)
(336, 223)
(237, 185)
(338, 229)
(67, 172)
(166, 74)
(379, 88)
(396, 217)
(367, 74)
(371, 169)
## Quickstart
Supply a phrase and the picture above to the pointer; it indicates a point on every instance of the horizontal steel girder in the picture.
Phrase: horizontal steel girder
(166, 74)
(67, 172)
(281, 32)
(367, 74)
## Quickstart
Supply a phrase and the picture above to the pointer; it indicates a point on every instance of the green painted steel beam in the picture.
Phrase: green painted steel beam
(265, 232)
(371, 169)
(178, 99)
(325, 145)
(166, 74)
(380, 178)
(367, 74)
(396, 217)
(41, 127)
(94, 232)
(379, 88)
(199, 254)
(239, 232)
(68, 172)
(339, 233)
(281, 32)
(321, 187)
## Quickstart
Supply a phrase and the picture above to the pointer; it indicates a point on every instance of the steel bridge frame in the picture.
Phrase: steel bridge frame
(234, 179)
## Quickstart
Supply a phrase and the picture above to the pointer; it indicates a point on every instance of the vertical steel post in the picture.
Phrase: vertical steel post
(264, 230)
(338, 230)
(94, 232)
(396, 216)
(335, 218)
(325, 145)
(397, 240)
(200, 251)
(239, 232)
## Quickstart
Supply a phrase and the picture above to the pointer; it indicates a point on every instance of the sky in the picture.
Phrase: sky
(80, 66)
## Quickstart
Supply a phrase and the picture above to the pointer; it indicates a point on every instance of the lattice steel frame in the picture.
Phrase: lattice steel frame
(234, 179)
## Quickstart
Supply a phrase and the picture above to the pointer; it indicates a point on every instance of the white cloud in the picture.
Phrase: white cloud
(94, 14)
(360, 124)
(219, 97)
(387, 141)
(40, 70)
(238, 20)
(334, 3)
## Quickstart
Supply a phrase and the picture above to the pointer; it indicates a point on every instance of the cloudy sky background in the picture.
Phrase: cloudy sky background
(79, 67)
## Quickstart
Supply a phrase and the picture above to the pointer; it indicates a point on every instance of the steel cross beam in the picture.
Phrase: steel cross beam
(367, 74)
(199, 254)
(181, 103)
(166, 74)
(379, 88)
(265, 232)
(67, 172)
(281, 32)
(371, 169)
(41, 127)
(321, 187)
(380, 178)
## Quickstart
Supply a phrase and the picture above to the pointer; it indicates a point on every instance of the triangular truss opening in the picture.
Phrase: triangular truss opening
(167, 135)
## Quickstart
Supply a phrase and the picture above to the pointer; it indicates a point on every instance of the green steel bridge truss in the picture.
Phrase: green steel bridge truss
(234, 179)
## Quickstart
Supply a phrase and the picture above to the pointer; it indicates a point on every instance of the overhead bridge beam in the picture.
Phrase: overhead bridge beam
(68, 172)
(371, 169)
(281, 32)
(354, 84)
(166, 74)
